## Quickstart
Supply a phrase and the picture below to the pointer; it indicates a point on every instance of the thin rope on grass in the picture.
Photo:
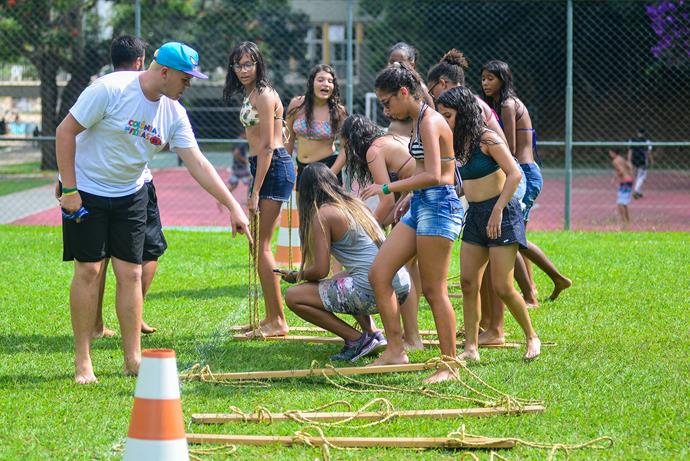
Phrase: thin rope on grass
(225, 450)
(598, 443)
(205, 375)
(501, 399)
(303, 436)
(253, 275)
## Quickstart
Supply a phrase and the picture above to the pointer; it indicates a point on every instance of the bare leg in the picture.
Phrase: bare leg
(83, 308)
(473, 261)
(502, 264)
(100, 331)
(625, 216)
(410, 308)
(128, 303)
(304, 300)
(485, 301)
(366, 322)
(274, 324)
(148, 271)
(433, 255)
(396, 250)
(493, 333)
(538, 257)
(523, 281)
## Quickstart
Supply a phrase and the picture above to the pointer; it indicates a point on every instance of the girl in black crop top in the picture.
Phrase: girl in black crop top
(398, 89)
(494, 228)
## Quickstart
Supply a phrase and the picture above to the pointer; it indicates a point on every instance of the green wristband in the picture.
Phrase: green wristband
(69, 190)
(385, 189)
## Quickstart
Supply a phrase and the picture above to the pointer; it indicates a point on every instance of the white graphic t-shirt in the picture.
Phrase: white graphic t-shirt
(124, 132)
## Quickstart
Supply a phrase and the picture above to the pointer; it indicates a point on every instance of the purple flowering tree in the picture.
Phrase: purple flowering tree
(670, 21)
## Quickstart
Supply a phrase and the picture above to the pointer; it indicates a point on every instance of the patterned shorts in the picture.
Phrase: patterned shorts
(340, 296)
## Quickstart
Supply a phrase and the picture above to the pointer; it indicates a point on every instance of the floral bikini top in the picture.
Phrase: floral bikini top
(249, 116)
(317, 130)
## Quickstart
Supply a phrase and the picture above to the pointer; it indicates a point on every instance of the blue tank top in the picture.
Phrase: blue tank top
(478, 166)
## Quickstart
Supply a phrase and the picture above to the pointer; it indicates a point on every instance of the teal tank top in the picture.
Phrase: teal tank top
(478, 166)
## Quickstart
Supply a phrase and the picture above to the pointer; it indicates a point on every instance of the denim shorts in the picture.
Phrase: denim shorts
(535, 182)
(521, 188)
(435, 211)
(341, 296)
(280, 178)
(512, 224)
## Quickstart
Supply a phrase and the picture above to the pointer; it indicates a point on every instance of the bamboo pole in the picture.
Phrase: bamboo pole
(221, 418)
(247, 328)
(347, 371)
(355, 442)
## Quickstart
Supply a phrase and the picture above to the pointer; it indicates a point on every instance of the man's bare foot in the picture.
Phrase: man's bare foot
(83, 372)
(391, 358)
(491, 337)
(533, 348)
(103, 333)
(131, 367)
(558, 286)
(147, 329)
(442, 374)
(269, 329)
(470, 355)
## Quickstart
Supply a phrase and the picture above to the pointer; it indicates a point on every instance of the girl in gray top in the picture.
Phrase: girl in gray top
(332, 222)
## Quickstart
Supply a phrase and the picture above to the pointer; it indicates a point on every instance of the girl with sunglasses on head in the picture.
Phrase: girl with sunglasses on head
(498, 92)
(314, 120)
(494, 228)
(271, 166)
(332, 222)
(432, 223)
(406, 54)
(374, 157)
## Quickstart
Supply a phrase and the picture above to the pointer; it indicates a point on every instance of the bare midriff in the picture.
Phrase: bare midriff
(480, 189)
(313, 150)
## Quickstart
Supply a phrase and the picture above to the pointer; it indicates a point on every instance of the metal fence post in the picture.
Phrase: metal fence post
(137, 18)
(569, 117)
(350, 72)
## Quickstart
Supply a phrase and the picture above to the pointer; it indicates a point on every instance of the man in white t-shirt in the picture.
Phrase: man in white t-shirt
(124, 118)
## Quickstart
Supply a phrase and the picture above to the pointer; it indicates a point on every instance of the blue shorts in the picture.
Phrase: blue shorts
(512, 224)
(521, 188)
(280, 178)
(435, 211)
(535, 182)
(625, 190)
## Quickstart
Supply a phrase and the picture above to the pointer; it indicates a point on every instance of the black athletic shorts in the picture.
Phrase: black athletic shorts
(115, 226)
(328, 161)
(512, 224)
(154, 242)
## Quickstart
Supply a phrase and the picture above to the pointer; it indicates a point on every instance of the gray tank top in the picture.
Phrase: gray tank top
(356, 251)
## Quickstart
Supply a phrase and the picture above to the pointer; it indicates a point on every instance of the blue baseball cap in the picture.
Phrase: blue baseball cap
(179, 56)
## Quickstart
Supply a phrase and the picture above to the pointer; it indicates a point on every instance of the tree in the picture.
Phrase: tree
(54, 36)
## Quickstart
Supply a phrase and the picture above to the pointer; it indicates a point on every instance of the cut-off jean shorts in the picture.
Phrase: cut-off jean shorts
(280, 177)
(341, 296)
(535, 182)
(435, 211)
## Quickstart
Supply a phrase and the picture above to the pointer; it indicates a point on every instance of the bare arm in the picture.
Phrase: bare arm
(508, 116)
(498, 150)
(265, 106)
(66, 149)
(321, 264)
(203, 172)
(290, 120)
(376, 161)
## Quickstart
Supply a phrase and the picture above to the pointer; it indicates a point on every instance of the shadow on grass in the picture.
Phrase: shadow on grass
(201, 293)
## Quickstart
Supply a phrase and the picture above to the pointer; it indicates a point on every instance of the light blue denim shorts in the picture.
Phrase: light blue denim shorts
(535, 181)
(280, 178)
(435, 211)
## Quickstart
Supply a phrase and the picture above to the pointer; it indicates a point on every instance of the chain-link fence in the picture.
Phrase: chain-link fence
(631, 65)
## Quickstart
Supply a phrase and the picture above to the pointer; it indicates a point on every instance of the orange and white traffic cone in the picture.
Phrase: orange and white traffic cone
(288, 251)
(156, 431)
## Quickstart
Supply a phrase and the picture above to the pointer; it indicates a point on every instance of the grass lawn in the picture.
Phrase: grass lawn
(22, 176)
(620, 367)
(9, 186)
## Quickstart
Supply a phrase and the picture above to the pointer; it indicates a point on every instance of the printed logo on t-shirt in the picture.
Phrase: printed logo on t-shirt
(142, 130)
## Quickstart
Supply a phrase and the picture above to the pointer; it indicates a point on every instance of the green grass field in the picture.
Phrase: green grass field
(23, 176)
(620, 368)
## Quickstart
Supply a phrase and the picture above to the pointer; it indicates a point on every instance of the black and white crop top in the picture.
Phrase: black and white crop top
(415, 146)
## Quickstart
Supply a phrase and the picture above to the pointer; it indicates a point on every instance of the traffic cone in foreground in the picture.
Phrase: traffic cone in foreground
(288, 235)
(156, 431)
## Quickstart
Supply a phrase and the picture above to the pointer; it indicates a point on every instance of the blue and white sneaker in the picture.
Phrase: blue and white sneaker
(366, 343)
